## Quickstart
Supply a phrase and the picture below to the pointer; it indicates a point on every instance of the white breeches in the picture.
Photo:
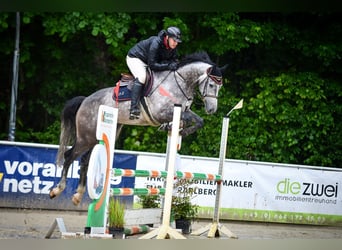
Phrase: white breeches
(137, 68)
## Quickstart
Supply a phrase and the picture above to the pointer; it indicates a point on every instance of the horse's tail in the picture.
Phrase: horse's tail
(68, 126)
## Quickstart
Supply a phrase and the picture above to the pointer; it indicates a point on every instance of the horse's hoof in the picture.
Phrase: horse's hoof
(76, 199)
(54, 193)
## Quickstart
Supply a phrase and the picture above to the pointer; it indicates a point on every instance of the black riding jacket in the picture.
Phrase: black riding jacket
(154, 53)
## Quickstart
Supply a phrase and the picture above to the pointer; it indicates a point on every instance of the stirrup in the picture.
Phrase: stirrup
(134, 114)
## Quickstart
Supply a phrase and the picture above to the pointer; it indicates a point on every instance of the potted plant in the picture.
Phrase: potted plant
(116, 220)
(183, 210)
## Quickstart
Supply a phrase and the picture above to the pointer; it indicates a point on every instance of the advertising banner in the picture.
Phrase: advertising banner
(260, 191)
(251, 191)
(28, 173)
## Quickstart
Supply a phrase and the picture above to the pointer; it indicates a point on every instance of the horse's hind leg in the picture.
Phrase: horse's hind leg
(77, 197)
(69, 157)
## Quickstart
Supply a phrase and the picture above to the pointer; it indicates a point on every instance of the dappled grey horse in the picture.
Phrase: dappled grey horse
(79, 116)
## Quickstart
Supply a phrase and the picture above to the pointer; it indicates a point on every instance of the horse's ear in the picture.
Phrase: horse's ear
(223, 68)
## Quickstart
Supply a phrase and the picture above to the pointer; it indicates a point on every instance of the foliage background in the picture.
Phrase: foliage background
(286, 67)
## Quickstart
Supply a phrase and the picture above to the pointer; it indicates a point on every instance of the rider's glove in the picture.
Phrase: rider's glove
(173, 66)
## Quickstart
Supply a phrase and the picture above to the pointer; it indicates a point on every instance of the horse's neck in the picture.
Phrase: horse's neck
(191, 72)
(186, 77)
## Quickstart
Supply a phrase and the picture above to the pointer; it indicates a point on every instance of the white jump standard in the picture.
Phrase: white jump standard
(215, 228)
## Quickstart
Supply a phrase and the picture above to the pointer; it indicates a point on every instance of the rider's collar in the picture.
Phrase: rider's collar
(166, 43)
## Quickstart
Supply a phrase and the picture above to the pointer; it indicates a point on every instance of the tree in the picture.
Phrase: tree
(284, 65)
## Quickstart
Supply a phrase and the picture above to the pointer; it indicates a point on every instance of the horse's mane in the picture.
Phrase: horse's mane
(201, 56)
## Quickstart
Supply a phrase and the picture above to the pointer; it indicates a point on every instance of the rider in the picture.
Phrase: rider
(158, 53)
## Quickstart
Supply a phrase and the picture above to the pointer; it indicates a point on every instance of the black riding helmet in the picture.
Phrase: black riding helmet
(175, 33)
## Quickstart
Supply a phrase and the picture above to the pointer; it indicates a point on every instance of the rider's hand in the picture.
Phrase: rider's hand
(173, 66)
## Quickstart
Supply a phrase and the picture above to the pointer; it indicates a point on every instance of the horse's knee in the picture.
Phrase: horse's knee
(191, 119)
(195, 125)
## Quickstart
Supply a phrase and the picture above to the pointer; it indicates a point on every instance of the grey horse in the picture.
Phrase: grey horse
(79, 116)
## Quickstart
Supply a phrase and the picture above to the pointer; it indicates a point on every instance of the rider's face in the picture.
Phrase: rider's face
(172, 43)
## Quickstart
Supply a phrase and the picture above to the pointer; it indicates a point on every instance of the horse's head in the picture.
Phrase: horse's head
(200, 69)
(210, 83)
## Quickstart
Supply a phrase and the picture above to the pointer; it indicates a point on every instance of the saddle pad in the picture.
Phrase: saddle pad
(121, 93)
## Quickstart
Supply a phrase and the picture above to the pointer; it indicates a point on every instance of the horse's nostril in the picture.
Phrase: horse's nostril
(210, 111)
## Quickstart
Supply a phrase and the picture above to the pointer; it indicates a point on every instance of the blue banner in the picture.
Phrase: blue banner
(28, 173)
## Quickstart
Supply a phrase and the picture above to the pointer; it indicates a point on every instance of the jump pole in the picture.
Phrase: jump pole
(215, 229)
(165, 231)
(163, 174)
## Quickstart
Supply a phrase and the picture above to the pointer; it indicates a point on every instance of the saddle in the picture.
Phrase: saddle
(122, 89)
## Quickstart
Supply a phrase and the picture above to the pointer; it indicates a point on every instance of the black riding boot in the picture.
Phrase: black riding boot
(136, 93)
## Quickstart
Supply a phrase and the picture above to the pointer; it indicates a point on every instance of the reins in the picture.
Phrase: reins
(216, 79)
(157, 86)
(184, 94)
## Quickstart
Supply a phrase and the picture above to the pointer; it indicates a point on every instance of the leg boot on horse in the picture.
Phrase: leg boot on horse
(136, 94)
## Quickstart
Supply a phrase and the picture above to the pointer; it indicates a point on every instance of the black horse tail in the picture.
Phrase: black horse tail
(68, 126)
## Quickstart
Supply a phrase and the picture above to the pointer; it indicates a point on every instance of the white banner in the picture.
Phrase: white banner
(260, 191)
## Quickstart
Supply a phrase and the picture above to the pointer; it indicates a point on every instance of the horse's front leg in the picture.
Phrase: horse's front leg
(81, 188)
(191, 123)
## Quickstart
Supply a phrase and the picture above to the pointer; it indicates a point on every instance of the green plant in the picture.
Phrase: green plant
(116, 212)
(149, 201)
(181, 206)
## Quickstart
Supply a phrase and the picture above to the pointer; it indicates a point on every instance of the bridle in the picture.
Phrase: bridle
(214, 78)
(217, 79)
(205, 81)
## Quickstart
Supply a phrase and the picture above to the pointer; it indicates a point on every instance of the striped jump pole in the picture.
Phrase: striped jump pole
(138, 173)
(136, 229)
(163, 174)
(198, 176)
(137, 191)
